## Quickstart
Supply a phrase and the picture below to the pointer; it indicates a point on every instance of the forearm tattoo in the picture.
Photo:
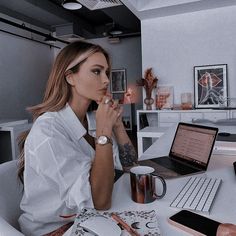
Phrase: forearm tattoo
(128, 155)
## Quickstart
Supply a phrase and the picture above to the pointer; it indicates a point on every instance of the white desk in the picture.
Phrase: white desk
(220, 166)
(148, 132)
(9, 131)
(223, 210)
(224, 206)
(11, 122)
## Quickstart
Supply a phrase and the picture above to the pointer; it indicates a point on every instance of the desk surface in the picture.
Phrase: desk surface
(11, 122)
(220, 166)
(224, 206)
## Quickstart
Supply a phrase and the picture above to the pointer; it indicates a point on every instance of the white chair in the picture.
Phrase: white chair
(11, 191)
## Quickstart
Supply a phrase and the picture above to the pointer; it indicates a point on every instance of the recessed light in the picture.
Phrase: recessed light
(71, 5)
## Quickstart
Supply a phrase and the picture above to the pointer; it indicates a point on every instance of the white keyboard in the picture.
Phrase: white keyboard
(197, 194)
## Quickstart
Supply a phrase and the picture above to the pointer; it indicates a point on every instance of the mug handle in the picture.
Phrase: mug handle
(155, 195)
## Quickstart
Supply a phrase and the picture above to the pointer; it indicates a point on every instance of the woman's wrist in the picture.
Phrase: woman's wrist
(104, 131)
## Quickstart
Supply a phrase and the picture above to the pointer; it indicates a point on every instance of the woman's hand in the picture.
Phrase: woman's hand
(226, 230)
(106, 116)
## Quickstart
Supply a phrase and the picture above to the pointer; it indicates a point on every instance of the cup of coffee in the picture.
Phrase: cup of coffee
(143, 184)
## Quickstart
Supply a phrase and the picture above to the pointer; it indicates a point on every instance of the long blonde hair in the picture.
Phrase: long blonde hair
(58, 91)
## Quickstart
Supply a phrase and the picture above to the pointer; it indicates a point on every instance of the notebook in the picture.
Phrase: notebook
(144, 222)
(190, 151)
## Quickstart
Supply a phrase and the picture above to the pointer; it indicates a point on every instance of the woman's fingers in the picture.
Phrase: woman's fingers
(108, 101)
(108, 110)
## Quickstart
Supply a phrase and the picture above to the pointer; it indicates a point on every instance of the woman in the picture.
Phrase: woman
(65, 166)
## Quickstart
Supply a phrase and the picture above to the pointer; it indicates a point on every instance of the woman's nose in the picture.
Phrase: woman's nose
(106, 79)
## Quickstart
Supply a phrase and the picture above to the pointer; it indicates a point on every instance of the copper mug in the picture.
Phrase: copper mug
(143, 184)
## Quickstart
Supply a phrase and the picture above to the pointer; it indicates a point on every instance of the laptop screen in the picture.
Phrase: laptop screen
(193, 144)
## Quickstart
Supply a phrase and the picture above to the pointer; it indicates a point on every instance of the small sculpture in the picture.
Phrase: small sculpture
(149, 83)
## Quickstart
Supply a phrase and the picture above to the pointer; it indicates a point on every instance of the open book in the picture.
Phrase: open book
(144, 222)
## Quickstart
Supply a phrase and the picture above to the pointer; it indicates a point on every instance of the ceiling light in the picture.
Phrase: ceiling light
(71, 5)
(115, 30)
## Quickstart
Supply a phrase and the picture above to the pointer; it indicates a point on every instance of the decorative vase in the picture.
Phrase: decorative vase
(148, 102)
(149, 83)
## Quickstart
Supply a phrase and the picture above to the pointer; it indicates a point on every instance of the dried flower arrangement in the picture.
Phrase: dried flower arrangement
(149, 83)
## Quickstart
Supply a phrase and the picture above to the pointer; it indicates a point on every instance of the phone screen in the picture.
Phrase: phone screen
(196, 222)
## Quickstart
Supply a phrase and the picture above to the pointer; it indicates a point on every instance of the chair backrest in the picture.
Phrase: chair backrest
(11, 191)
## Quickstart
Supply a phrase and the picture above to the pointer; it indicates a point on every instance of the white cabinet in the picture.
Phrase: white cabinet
(151, 124)
(233, 114)
(189, 116)
(214, 116)
(166, 118)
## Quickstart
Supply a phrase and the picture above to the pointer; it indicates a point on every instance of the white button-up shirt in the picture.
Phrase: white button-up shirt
(57, 167)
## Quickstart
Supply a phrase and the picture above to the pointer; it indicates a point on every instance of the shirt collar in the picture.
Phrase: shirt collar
(72, 123)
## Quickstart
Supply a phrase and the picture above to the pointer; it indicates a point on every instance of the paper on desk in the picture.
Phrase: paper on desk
(144, 222)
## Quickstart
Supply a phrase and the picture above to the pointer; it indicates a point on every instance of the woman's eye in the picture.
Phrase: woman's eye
(97, 71)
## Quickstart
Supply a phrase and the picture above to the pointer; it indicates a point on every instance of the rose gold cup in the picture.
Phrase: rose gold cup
(143, 184)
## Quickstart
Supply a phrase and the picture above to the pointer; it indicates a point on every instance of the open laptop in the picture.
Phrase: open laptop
(190, 151)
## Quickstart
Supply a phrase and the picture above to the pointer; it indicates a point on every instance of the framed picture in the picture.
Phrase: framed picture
(118, 81)
(165, 97)
(210, 86)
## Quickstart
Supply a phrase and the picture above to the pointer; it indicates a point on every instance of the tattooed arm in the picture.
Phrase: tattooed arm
(128, 155)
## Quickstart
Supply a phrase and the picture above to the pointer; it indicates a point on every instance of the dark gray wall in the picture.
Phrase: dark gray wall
(25, 66)
(24, 69)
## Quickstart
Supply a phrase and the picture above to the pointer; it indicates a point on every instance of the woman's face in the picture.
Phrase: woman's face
(92, 79)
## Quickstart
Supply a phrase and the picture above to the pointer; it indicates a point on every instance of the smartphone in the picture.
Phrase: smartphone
(194, 224)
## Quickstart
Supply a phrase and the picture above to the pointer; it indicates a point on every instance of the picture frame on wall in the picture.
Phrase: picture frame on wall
(118, 81)
(210, 86)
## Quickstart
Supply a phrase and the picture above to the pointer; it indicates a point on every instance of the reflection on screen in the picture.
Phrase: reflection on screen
(193, 143)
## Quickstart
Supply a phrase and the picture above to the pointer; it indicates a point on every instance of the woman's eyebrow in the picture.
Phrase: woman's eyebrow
(101, 66)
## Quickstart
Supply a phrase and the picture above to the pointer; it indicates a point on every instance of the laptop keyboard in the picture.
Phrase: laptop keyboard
(175, 166)
(197, 194)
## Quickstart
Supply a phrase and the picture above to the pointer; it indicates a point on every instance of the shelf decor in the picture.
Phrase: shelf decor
(149, 83)
(210, 86)
(165, 97)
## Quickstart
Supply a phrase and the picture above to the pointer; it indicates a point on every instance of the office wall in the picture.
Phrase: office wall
(25, 66)
(24, 69)
(173, 45)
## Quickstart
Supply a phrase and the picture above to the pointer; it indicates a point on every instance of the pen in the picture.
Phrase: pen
(128, 228)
